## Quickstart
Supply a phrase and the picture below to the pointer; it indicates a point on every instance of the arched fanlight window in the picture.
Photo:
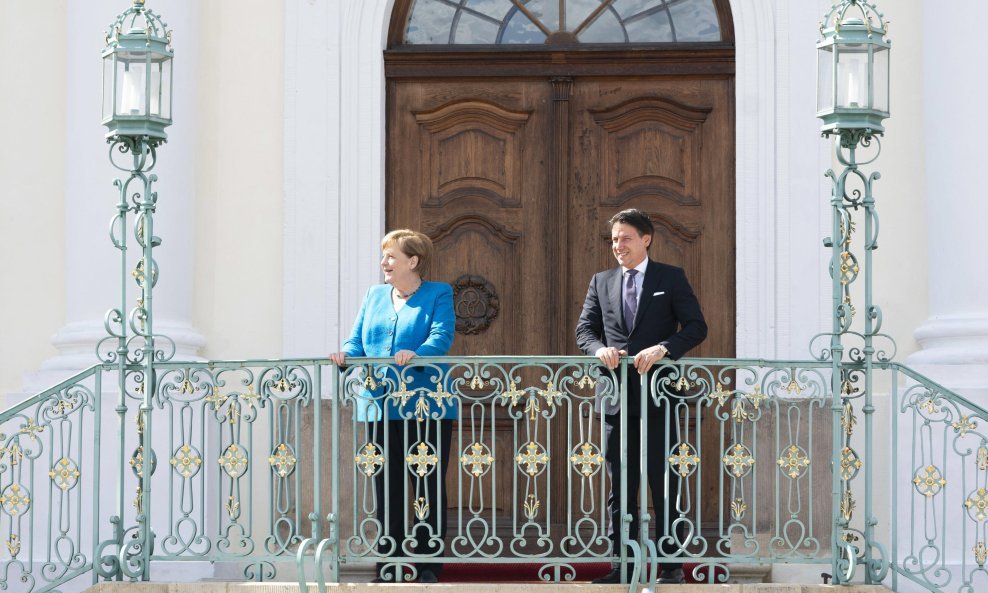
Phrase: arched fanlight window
(503, 22)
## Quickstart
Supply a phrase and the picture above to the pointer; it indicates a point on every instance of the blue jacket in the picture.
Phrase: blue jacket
(424, 325)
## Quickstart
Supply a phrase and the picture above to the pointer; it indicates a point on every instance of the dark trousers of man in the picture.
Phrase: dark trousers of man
(397, 498)
(663, 505)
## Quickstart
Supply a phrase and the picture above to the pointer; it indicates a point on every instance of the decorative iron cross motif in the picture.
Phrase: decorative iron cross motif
(533, 458)
(977, 502)
(740, 460)
(283, 462)
(513, 394)
(849, 463)
(929, 482)
(684, 460)
(369, 459)
(793, 462)
(423, 459)
(589, 457)
(480, 459)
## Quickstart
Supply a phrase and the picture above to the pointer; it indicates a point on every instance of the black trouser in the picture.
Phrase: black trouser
(403, 487)
(663, 504)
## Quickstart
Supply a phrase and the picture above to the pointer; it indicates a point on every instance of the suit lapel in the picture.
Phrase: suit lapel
(614, 285)
(648, 289)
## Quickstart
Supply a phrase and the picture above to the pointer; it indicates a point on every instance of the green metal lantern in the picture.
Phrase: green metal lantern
(853, 69)
(137, 75)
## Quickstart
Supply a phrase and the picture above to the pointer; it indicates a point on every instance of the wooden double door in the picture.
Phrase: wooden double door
(514, 179)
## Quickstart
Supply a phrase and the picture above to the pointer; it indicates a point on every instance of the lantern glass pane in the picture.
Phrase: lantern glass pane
(881, 79)
(166, 89)
(131, 85)
(108, 86)
(852, 76)
(825, 79)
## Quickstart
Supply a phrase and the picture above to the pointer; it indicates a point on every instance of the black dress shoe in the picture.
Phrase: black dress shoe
(610, 578)
(427, 576)
(672, 576)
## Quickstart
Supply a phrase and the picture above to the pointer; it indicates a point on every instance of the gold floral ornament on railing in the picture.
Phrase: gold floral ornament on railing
(423, 460)
(720, 395)
(65, 474)
(234, 461)
(982, 458)
(738, 508)
(13, 545)
(14, 451)
(532, 507)
(685, 460)
(216, 398)
(478, 461)
(283, 385)
(15, 500)
(977, 503)
(850, 463)
(283, 461)
(980, 554)
(533, 456)
(587, 461)
(793, 462)
(551, 395)
(186, 461)
(421, 508)
(369, 460)
(232, 507)
(31, 429)
(929, 482)
(963, 425)
(738, 460)
(847, 505)
(847, 418)
(512, 394)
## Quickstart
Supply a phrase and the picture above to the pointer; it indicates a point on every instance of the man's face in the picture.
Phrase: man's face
(629, 247)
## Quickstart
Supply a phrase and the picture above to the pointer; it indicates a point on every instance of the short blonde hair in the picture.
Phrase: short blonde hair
(412, 244)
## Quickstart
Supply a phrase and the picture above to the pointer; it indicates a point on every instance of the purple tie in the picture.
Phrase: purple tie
(630, 300)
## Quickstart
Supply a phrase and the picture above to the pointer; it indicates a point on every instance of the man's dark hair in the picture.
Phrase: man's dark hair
(636, 218)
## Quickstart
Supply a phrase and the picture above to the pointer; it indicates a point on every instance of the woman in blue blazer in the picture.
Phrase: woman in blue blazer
(404, 318)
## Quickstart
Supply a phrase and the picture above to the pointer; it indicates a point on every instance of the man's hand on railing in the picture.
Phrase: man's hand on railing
(610, 356)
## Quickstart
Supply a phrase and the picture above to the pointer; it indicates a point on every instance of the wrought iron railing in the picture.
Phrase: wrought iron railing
(940, 486)
(266, 470)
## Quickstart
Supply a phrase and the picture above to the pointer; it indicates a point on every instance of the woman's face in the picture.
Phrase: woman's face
(397, 266)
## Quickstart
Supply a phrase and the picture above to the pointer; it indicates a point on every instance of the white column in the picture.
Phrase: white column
(334, 167)
(92, 264)
(954, 340)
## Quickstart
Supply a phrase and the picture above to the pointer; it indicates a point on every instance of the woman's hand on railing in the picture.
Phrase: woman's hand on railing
(402, 357)
(338, 358)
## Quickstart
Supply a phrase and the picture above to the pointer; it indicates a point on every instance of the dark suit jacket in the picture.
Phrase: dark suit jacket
(668, 313)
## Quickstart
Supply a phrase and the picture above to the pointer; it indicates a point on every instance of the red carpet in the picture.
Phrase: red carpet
(529, 572)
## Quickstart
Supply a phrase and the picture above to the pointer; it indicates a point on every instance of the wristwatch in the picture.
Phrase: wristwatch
(665, 351)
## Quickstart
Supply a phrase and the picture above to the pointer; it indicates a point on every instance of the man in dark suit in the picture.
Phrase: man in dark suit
(647, 310)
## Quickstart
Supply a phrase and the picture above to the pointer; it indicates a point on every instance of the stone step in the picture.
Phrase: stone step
(231, 587)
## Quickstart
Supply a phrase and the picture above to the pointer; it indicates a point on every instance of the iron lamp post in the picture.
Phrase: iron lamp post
(137, 75)
(853, 102)
(136, 109)
(853, 69)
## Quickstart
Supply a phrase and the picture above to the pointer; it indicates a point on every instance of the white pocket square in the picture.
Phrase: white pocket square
(658, 293)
